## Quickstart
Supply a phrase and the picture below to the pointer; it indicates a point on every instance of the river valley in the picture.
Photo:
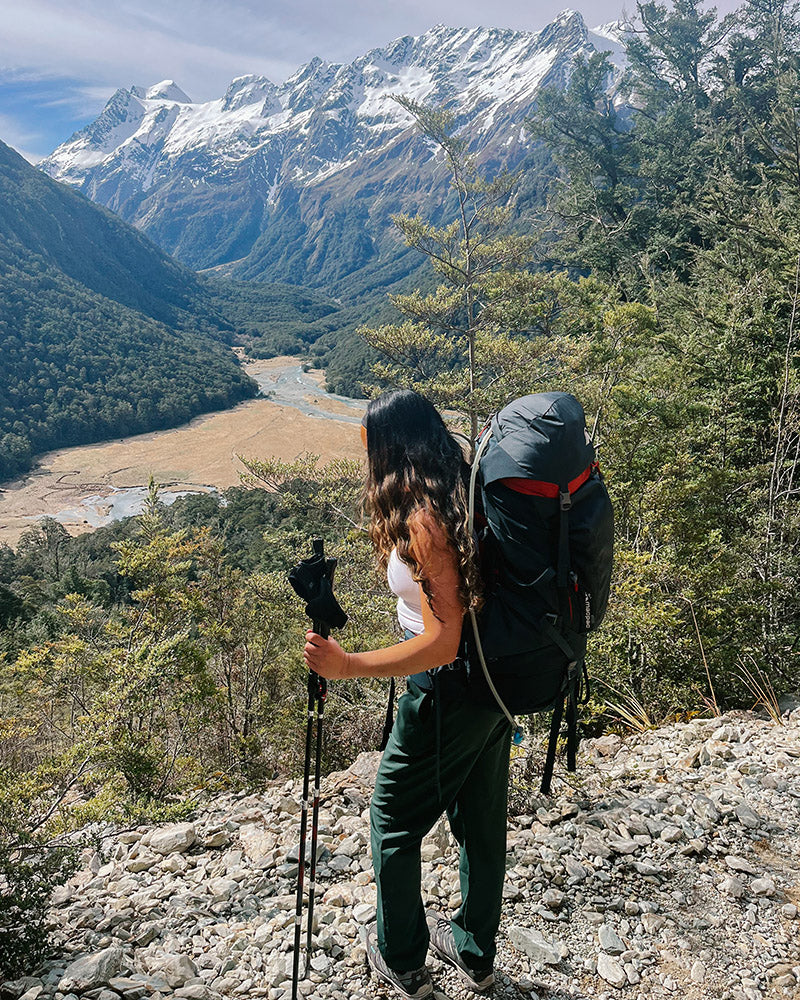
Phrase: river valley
(91, 485)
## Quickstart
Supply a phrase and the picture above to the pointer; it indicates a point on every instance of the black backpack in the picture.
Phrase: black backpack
(546, 556)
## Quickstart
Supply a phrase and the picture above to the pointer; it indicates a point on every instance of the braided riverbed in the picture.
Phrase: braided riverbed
(91, 485)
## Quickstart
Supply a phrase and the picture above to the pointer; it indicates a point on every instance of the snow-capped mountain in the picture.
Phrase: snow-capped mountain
(296, 181)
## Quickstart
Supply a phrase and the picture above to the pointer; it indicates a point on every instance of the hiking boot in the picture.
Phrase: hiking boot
(443, 945)
(415, 984)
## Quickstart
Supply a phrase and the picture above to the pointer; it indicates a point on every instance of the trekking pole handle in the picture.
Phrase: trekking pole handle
(320, 683)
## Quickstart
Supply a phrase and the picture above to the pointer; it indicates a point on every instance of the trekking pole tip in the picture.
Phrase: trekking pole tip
(517, 737)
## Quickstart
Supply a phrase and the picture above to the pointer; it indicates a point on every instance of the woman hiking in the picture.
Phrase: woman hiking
(445, 752)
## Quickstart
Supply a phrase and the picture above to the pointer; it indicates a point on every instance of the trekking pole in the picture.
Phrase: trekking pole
(301, 852)
(321, 693)
(312, 579)
(317, 693)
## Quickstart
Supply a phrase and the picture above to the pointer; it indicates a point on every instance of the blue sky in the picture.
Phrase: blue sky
(61, 61)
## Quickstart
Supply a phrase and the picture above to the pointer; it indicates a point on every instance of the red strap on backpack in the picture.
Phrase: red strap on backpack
(537, 488)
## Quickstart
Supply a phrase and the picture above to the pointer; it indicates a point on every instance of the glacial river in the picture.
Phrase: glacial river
(291, 386)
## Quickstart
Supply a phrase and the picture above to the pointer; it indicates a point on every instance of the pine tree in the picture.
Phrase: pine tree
(450, 345)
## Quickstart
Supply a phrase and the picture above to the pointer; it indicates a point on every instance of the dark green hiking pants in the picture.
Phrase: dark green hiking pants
(411, 792)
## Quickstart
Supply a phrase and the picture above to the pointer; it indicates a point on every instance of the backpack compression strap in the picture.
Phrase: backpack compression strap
(539, 488)
(566, 704)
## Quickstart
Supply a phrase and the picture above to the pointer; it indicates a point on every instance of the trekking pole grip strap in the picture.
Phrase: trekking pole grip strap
(317, 686)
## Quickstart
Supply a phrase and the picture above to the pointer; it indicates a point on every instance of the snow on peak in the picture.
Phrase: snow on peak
(167, 90)
(247, 82)
(610, 37)
(326, 114)
(314, 68)
(246, 90)
(614, 31)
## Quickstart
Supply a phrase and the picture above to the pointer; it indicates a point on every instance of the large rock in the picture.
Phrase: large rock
(747, 817)
(653, 922)
(594, 845)
(197, 991)
(222, 888)
(176, 969)
(553, 899)
(732, 886)
(257, 841)
(740, 864)
(535, 945)
(610, 941)
(90, 971)
(17, 987)
(172, 839)
(611, 970)
(360, 776)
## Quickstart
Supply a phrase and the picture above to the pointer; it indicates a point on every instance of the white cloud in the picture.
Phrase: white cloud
(202, 44)
(18, 138)
(120, 45)
(80, 101)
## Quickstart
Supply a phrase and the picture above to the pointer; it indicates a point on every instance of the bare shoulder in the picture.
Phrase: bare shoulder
(437, 559)
(429, 539)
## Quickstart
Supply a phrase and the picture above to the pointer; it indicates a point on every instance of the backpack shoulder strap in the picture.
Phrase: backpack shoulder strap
(473, 480)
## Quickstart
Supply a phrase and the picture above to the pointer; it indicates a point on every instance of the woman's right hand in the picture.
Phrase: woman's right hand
(326, 657)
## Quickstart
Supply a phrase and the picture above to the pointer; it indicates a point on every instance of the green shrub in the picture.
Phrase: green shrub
(28, 875)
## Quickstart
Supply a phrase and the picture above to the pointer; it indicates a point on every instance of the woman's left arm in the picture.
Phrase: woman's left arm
(436, 645)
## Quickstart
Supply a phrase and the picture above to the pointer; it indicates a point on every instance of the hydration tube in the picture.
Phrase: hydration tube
(473, 478)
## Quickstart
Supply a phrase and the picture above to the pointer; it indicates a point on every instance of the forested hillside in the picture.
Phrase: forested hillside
(103, 334)
(273, 319)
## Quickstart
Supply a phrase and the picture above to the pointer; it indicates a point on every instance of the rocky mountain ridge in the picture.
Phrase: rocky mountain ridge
(297, 181)
(665, 868)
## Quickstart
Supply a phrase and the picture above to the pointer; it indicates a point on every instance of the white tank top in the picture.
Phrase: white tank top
(407, 592)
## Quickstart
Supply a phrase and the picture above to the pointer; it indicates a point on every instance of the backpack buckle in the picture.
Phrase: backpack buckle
(565, 499)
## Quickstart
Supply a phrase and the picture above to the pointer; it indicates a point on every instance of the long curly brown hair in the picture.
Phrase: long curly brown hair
(415, 464)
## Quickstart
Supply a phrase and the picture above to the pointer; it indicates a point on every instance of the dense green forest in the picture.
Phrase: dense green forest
(79, 367)
(102, 334)
(660, 283)
(271, 320)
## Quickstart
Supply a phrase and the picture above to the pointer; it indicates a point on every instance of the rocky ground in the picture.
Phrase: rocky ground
(667, 868)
